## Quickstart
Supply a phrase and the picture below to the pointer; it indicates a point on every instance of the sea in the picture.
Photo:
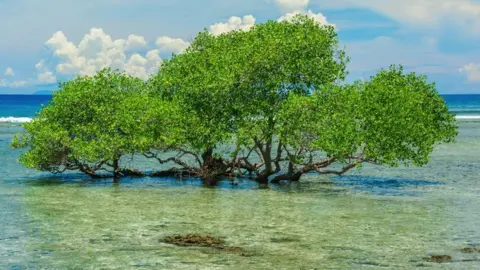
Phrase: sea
(21, 108)
(372, 218)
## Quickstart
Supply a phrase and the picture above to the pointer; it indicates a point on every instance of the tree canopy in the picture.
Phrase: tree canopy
(92, 122)
(270, 103)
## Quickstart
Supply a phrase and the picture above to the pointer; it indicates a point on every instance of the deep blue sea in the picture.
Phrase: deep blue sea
(20, 108)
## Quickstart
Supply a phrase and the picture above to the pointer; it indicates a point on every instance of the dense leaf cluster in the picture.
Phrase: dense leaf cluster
(270, 103)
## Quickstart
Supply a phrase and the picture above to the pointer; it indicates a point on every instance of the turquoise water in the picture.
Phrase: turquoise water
(374, 218)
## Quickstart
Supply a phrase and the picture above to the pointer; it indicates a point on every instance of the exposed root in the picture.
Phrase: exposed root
(132, 173)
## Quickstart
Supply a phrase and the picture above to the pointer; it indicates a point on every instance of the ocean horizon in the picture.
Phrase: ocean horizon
(22, 108)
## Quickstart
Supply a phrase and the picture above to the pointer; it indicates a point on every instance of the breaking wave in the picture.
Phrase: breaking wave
(12, 119)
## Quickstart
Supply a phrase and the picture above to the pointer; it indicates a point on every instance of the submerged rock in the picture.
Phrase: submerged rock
(193, 240)
(203, 240)
(439, 258)
(470, 250)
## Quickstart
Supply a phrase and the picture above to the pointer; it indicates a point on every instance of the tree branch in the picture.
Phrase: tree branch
(197, 158)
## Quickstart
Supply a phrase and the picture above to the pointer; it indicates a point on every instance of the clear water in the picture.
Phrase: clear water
(373, 218)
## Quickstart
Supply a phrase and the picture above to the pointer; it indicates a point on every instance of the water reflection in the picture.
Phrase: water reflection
(386, 186)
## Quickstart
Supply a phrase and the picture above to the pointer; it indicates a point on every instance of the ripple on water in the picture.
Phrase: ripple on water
(384, 186)
(393, 220)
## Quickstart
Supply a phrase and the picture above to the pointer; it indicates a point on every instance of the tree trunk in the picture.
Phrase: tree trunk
(207, 155)
(262, 179)
(116, 170)
(209, 180)
(212, 168)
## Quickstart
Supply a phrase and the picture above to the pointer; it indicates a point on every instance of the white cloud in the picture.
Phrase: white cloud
(429, 14)
(172, 45)
(40, 65)
(98, 50)
(473, 72)
(15, 84)
(234, 23)
(43, 74)
(292, 5)
(135, 42)
(9, 72)
(142, 67)
(319, 17)
(18, 83)
(46, 77)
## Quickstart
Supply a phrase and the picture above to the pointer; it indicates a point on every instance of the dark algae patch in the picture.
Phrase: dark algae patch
(286, 239)
(197, 240)
(203, 240)
(470, 250)
(449, 259)
(439, 258)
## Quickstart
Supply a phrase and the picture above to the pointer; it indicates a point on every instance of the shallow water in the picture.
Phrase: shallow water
(373, 218)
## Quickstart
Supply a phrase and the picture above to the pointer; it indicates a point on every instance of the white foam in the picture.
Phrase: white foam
(468, 117)
(12, 119)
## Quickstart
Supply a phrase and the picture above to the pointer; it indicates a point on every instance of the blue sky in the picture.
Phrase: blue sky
(44, 42)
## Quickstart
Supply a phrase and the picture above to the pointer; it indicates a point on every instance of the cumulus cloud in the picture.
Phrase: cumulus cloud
(46, 77)
(9, 72)
(171, 45)
(95, 51)
(142, 67)
(135, 42)
(234, 23)
(289, 6)
(472, 71)
(319, 17)
(294, 7)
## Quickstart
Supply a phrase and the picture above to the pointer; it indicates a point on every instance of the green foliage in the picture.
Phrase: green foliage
(325, 121)
(284, 58)
(402, 118)
(276, 91)
(395, 118)
(199, 81)
(93, 121)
